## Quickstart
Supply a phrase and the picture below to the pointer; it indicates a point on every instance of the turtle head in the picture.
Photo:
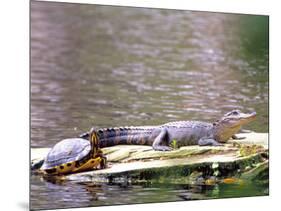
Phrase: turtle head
(94, 140)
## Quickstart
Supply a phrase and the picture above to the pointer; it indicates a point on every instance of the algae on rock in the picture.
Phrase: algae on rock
(237, 157)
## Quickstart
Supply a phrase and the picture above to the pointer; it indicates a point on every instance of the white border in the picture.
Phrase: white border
(15, 102)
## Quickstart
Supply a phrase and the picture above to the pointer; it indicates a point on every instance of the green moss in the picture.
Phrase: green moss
(174, 144)
(257, 172)
(246, 150)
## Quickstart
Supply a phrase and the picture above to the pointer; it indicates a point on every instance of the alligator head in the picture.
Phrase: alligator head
(230, 124)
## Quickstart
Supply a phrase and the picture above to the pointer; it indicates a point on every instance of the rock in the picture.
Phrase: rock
(142, 162)
(252, 138)
(259, 172)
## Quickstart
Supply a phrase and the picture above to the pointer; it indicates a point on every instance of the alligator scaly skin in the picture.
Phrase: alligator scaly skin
(124, 135)
(183, 132)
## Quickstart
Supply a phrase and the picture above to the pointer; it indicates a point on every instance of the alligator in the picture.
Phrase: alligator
(185, 133)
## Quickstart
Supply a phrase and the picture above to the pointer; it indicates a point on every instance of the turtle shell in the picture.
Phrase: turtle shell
(67, 151)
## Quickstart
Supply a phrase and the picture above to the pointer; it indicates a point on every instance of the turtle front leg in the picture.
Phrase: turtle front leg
(103, 161)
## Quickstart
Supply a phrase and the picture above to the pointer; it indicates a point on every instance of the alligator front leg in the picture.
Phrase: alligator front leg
(235, 137)
(207, 141)
(160, 139)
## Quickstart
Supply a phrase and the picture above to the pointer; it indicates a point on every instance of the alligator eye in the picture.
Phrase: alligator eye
(235, 112)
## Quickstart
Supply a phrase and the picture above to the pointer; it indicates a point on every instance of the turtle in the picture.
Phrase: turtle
(73, 155)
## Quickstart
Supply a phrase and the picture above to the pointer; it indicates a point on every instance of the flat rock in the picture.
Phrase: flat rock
(142, 162)
(253, 138)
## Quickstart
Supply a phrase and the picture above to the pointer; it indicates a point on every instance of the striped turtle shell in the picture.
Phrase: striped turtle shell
(67, 151)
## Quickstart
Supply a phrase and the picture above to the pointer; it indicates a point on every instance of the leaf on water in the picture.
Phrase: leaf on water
(216, 173)
(210, 181)
(232, 180)
(215, 165)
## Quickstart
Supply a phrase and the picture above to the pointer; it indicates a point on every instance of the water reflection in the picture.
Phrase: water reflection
(110, 66)
(83, 194)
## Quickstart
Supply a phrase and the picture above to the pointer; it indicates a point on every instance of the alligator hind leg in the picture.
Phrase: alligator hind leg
(160, 139)
(208, 142)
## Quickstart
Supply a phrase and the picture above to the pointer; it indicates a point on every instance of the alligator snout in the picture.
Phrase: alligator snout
(254, 113)
(246, 118)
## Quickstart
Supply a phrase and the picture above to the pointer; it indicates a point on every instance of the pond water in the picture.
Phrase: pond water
(116, 66)
(70, 194)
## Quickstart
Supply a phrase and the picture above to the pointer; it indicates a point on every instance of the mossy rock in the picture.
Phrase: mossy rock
(142, 162)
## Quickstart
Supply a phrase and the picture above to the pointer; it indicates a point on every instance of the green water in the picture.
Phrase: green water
(84, 194)
(111, 66)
